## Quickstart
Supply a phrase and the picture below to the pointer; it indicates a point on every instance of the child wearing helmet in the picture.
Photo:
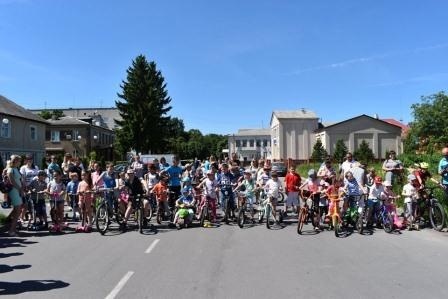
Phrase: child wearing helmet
(185, 210)
(248, 184)
(421, 174)
(376, 194)
(410, 194)
(312, 184)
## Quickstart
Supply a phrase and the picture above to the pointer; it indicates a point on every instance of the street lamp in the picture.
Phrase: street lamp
(5, 121)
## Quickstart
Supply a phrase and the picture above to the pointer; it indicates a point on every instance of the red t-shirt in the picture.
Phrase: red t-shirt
(292, 181)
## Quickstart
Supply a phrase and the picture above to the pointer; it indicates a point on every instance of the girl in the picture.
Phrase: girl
(16, 193)
(56, 189)
(210, 192)
(249, 186)
(410, 194)
(85, 200)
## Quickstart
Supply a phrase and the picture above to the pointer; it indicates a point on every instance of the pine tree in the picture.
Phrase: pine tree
(319, 152)
(364, 153)
(143, 107)
(340, 151)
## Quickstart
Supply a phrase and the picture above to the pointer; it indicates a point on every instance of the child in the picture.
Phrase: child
(38, 188)
(72, 190)
(390, 202)
(410, 194)
(323, 201)
(249, 187)
(273, 188)
(185, 211)
(353, 192)
(56, 189)
(161, 192)
(312, 185)
(211, 193)
(85, 201)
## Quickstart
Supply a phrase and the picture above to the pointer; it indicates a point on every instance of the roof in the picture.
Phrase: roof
(253, 132)
(301, 113)
(404, 128)
(353, 118)
(8, 107)
(67, 121)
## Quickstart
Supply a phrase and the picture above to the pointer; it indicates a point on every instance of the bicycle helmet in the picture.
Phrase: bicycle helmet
(312, 172)
(424, 165)
(411, 177)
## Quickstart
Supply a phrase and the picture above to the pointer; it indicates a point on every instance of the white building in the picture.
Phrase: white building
(250, 144)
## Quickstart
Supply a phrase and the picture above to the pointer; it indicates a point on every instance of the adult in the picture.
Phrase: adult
(175, 172)
(326, 172)
(348, 164)
(15, 194)
(359, 173)
(52, 167)
(97, 177)
(137, 166)
(443, 169)
(393, 167)
(292, 182)
(253, 168)
(29, 172)
(76, 167)
(66, 164)
(135, 188)
(163, 165)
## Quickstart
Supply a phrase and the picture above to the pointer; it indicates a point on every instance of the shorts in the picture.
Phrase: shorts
(40, 208)
(292, 199)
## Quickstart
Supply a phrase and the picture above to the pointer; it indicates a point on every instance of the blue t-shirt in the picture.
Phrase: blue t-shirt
(443, 164)
(109, 180)
(225, 180)
(72, 187)
(175, 173)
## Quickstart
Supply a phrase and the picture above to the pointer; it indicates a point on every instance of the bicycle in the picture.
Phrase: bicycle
(266, 209)
(242, 199)
(336, 221)
(106, 212)
(226, 205)
(306, 213)
(428, 209)
(40, 196)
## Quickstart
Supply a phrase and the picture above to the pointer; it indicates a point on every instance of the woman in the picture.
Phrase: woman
(393, 167)
(15, 194)
(29, 172)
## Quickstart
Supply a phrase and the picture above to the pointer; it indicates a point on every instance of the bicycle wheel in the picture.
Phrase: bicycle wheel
(203, 216)
(269, 216)
(102, 218)
(303, 214)
(360, 224)
(139, 218)
(260, 214)
(281, 198)
(227, 211)
(241, 216)
(336, 226)
(388, 222)
(437, 216)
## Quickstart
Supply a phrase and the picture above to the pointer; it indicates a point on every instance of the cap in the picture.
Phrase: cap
(411, 177)
(311, 172)
(387, 184)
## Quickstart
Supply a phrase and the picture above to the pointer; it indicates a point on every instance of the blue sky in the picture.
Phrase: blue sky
(229, 64)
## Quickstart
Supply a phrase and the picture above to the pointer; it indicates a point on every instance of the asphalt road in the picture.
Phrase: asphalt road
(225, 262)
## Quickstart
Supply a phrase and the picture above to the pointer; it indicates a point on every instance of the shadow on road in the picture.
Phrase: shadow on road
(6, 255)
(6, 268)
(15, 288)
(14, 242)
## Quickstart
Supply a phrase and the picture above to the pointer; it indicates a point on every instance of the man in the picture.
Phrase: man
(443, 169)
(225, 179)
(348, 164)
(137, 165)
(175, 172)
(52, 167)
(135, 188)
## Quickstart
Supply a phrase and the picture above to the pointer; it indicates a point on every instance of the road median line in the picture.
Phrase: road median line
(153, 244)
(120, 285)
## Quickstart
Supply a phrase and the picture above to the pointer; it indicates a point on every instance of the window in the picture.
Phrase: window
(244, 143)
(238, 143)
(55, 136)
(75, 135)
(258, 143)
(6, 130)
(251, 143)
(33, 133)
(265, 142)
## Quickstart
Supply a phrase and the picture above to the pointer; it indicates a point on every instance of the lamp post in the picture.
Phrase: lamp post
(5, 121)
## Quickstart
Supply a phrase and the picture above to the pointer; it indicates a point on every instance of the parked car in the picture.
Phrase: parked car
(279, 167)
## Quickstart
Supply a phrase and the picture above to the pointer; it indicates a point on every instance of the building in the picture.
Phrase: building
(250, 144)
(21, 132)
(381, 136)
(104, 117)
(79, 136)
(292, 134)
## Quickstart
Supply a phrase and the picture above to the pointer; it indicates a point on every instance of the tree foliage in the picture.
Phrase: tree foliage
(364, 153)
(143, 107)
(340, 151)
(319, 152)
(429, 130)
(55, 114)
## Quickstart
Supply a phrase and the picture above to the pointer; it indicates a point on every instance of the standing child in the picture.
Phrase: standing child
(312, 184)
(211, 193)
(249, 189)
(56, 189)
(410, 194)
(292, 181)
(38, 188)
(85, 201)
(273, 188)
(72, 190)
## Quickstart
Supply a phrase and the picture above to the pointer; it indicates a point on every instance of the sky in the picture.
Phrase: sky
(229, 64)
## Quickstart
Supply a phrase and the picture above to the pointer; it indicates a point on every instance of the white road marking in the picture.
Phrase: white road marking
(120, 285)
(153, 244)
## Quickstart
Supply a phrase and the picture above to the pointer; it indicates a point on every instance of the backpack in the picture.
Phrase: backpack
(5, 185)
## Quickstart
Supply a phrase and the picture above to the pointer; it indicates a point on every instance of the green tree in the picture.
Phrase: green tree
(143, 107)
(429, 130)
(56, 114)
(340, 151)
(364, 153)
(45, 114)
(319, 152)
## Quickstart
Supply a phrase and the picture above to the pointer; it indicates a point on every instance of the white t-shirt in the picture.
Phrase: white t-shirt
(152, 179)
(346, 166)
(409, 193)
(28, 173)
(273, 188)
(210, 187)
